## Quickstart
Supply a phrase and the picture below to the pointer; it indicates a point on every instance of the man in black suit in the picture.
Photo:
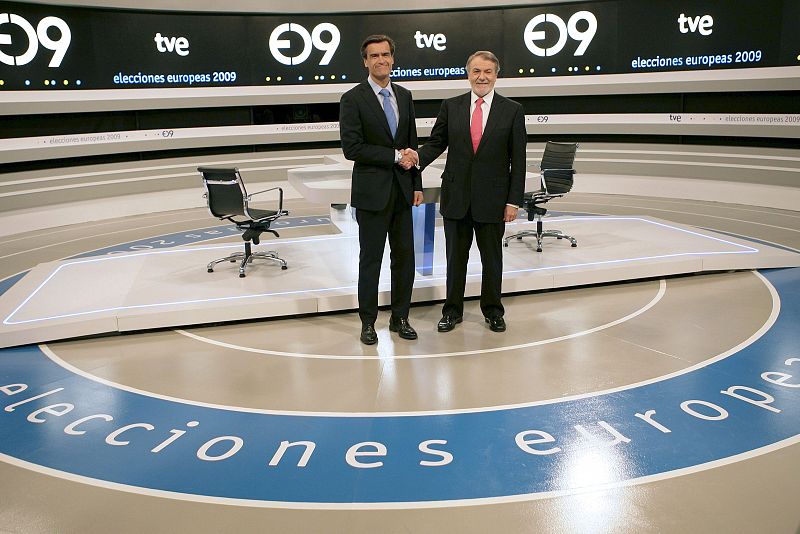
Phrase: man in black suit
(377, 127)
(482, 185)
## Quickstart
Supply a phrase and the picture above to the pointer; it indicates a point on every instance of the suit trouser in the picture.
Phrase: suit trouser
(394, 220)
(458, 240)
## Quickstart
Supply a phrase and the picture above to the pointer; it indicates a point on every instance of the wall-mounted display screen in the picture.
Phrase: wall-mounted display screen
(53, 47)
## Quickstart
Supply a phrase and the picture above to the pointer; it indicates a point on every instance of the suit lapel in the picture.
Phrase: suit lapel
(372, 103)
(402, 114)
(466, 102)
(494, 118)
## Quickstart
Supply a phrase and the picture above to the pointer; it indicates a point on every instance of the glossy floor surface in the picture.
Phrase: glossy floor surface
(585, 349)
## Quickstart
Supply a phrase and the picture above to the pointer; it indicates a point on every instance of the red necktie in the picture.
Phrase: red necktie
(476, 126)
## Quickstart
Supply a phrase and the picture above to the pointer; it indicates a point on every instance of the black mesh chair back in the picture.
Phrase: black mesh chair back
(557, 167)
(225, 191)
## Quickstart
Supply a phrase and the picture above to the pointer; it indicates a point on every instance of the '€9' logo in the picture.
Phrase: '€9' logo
(276, 44)
(532, 34)
(35, 37)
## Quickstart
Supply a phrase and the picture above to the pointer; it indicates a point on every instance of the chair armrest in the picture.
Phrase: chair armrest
(265, 191)
(280, 196)
(279, 212)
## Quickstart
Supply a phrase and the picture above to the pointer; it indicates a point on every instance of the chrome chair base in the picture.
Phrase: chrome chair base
(558, 234)
(244, 258)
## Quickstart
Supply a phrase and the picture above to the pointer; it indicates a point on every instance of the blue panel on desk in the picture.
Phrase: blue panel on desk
(424, 228)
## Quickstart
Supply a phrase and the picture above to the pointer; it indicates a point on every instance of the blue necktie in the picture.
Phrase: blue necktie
(388, 110)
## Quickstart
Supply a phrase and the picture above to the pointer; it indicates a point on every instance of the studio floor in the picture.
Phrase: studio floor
(663, 404)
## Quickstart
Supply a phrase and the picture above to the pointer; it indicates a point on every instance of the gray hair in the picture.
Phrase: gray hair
(488, 56)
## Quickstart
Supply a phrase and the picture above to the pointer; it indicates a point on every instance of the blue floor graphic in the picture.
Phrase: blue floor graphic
(749, 400)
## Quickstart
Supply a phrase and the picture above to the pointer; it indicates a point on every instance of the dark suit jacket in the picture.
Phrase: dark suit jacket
(367, 140)
(485, 180)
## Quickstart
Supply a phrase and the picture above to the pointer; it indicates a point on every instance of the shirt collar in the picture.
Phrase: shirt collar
(377, 88)
(488, 98)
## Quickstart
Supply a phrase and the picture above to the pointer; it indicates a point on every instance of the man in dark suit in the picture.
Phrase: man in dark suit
(377, 127)
(482, 185)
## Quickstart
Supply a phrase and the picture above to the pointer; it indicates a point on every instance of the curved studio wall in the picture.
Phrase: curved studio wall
(187, 80)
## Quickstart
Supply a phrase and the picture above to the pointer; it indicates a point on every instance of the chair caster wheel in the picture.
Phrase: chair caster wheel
(558, 238)
(284, 267)
(519, 239)
(538, 249)
(574, 245)
(505, 244)
(241, 275)
(232, 261)
(211, 270)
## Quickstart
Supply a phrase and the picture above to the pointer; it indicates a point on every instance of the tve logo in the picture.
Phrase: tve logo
(179, 45)
(35, 37)
(277, 44)
(435, 40)
(531, 34)
(696, 24)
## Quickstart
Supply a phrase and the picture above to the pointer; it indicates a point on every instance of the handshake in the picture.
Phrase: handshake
(409, 158)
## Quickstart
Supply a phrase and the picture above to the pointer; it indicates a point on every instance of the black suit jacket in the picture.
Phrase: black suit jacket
(367, 140)
(485, 180)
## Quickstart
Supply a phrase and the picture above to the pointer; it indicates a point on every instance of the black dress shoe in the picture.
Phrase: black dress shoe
(368, 334)
(496, 323)
(448, 322)
(401, 326)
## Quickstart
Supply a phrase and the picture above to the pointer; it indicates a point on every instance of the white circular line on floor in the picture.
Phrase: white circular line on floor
(662, 288)
(773, 316)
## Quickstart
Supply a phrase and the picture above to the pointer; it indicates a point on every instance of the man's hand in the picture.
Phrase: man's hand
(418, 198)
(409, 159)
(510, 213)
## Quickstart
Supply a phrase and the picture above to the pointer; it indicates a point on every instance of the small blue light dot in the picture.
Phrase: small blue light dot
(300, 78)
(27, 82)
(598, 67)
(344, 76)
(553, 69)
(52, 82)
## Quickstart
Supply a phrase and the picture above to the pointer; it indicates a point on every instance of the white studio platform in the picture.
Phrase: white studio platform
(168, 288)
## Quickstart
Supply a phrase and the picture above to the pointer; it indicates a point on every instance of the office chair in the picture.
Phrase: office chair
(228, 200)
(556, 175)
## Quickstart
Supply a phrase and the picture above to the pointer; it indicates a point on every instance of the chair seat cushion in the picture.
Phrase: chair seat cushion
(262, 214)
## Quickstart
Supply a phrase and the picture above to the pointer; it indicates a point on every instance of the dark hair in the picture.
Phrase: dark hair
(376, 39)
(488, 56)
